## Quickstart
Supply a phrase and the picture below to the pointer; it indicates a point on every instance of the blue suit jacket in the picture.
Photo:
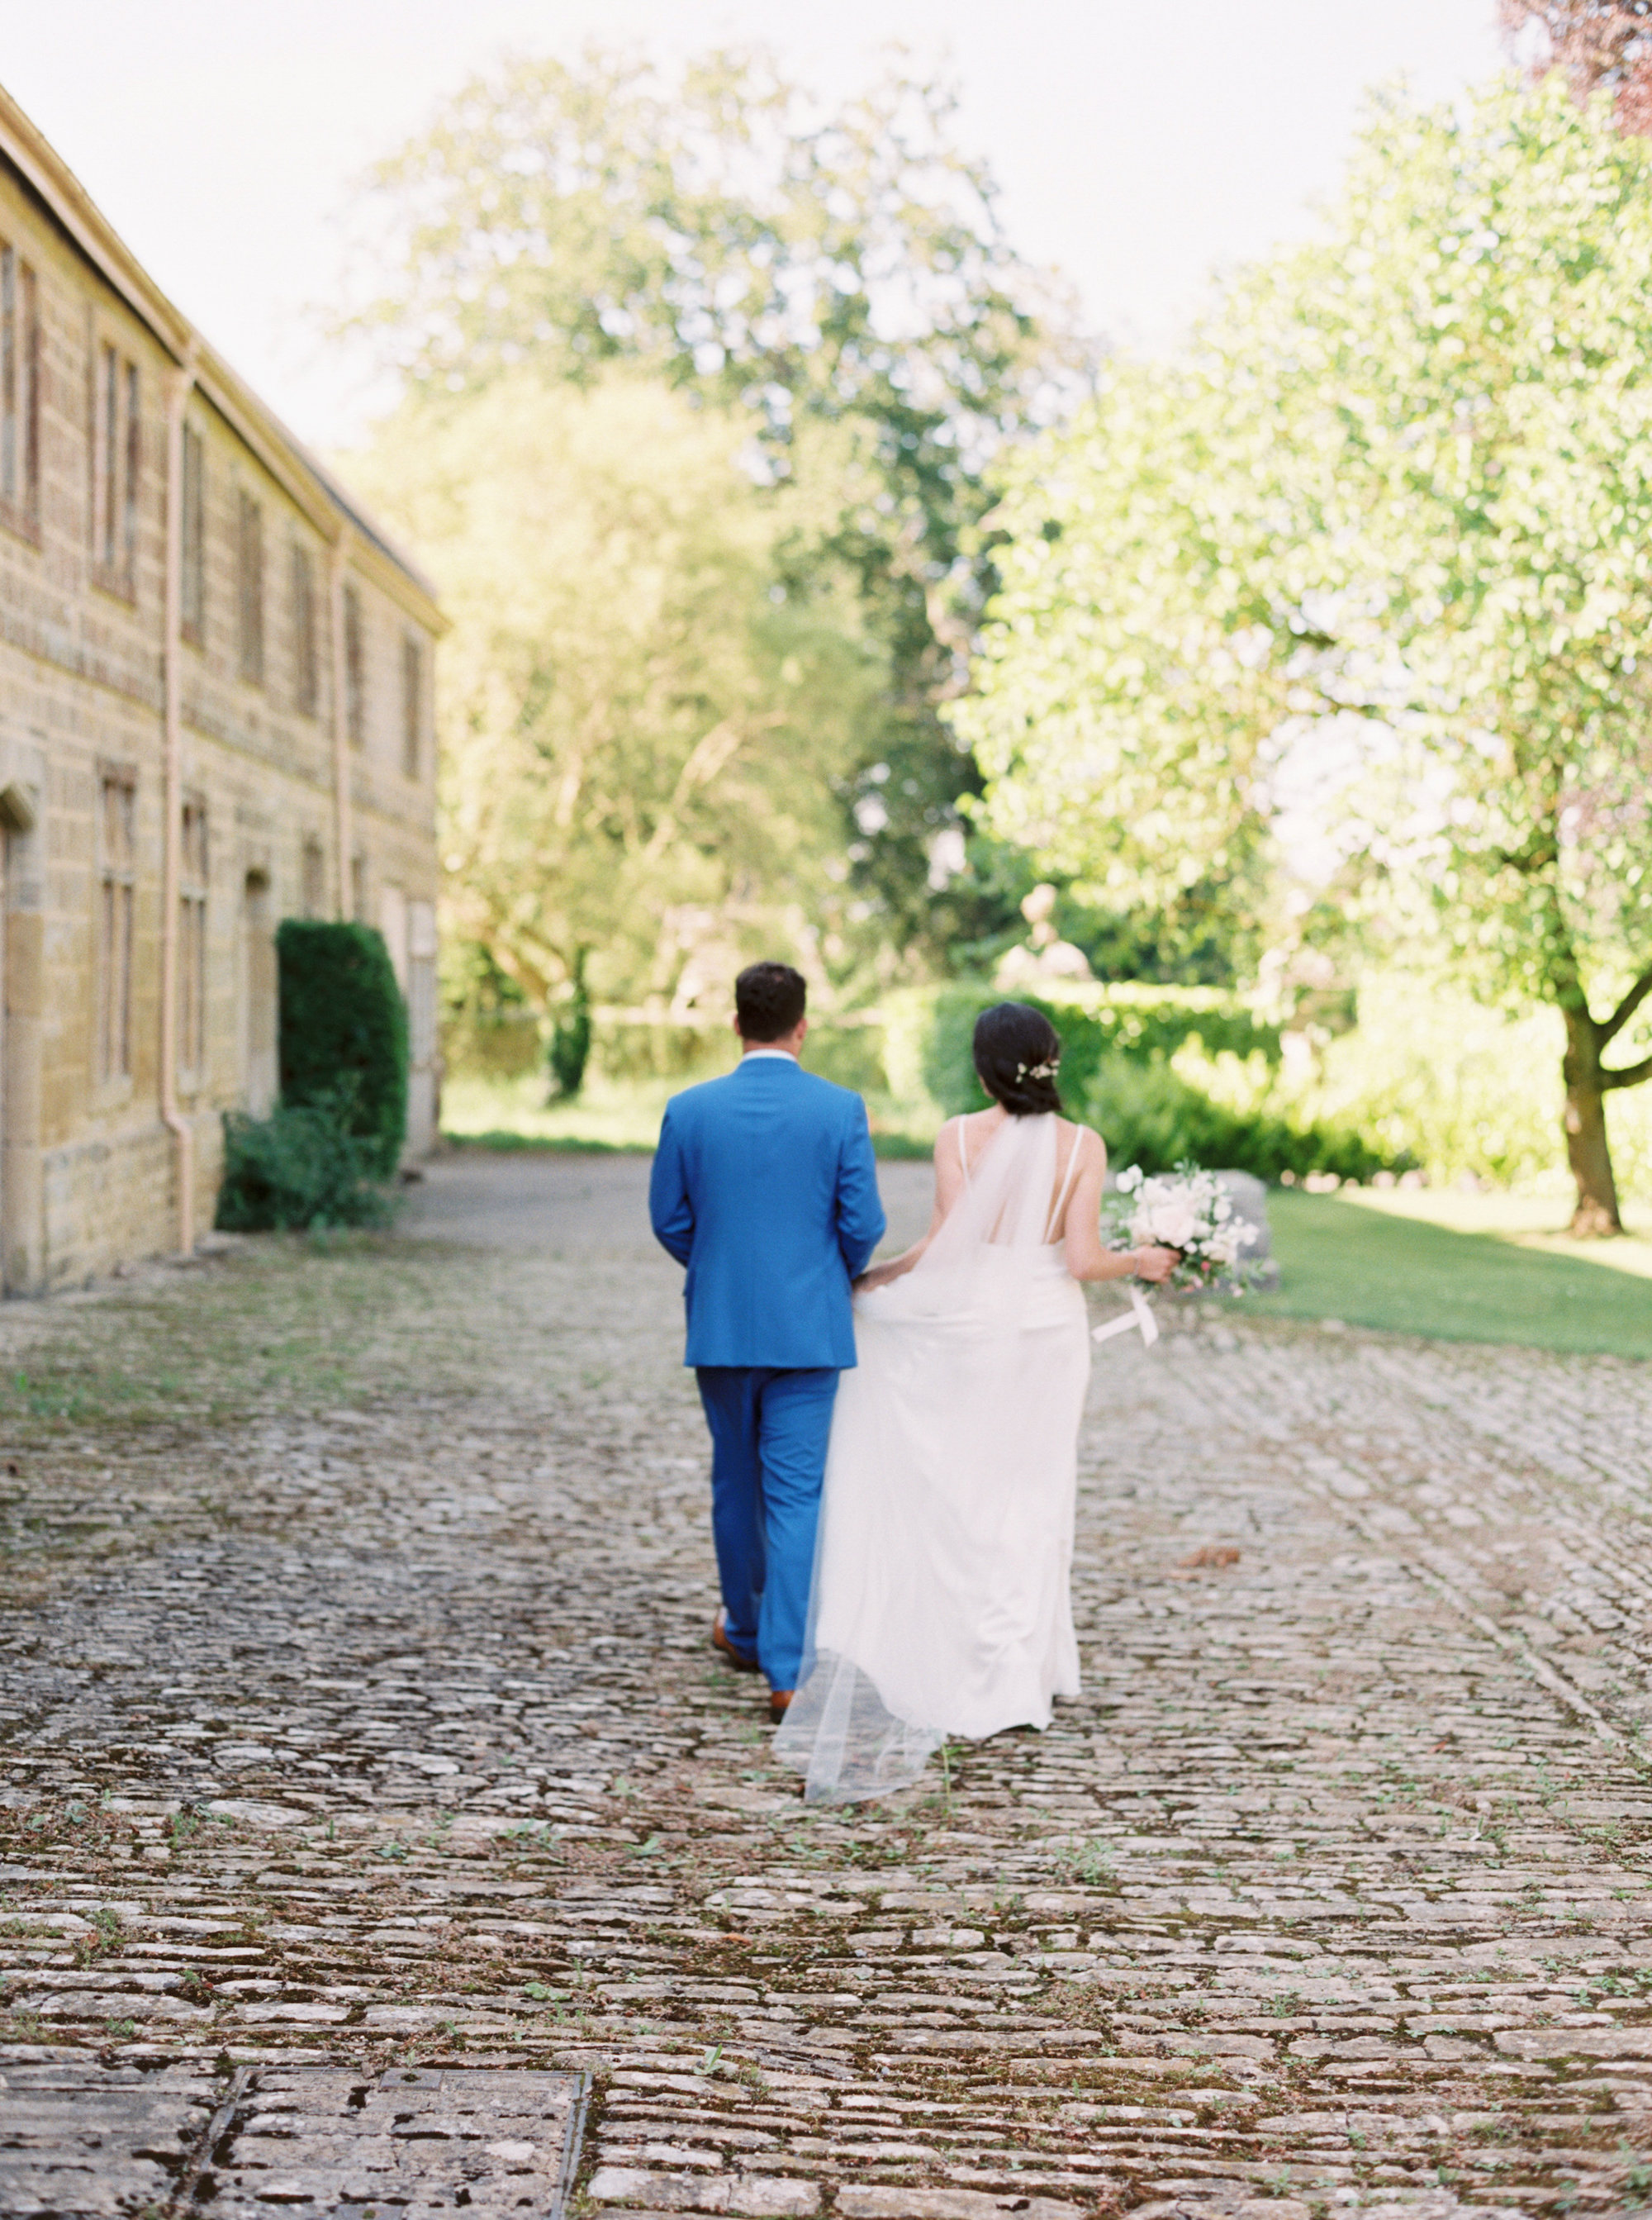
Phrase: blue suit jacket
(765, 1187)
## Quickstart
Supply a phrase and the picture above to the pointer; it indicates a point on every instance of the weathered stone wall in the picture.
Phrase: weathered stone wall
(86, 1166)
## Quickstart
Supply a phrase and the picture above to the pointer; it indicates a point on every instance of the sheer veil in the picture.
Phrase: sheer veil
(926, 1481)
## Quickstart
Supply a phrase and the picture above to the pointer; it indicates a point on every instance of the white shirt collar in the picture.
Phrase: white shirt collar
(752, 1055)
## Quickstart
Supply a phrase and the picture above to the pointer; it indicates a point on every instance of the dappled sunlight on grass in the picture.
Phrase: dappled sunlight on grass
(626, 1113)
(607, 1113)
(1531, 1221)
(1342, 1258)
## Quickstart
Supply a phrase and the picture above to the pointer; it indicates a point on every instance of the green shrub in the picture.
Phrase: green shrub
(302, 1166)
(1468, 1087)
(570, 1046)
(930, 1029)
(343, 1019)
(570, 1050)
(1149, 1116)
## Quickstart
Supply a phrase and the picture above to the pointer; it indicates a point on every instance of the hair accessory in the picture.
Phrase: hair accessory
(1037, 1070)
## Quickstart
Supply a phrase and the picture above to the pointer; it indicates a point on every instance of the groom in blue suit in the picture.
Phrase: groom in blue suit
(765, 1187)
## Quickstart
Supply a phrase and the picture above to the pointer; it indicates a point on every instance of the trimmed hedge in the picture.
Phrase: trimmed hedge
(1117, 1042)
(1149, 1116)
(345, 1026)
(930, 1032)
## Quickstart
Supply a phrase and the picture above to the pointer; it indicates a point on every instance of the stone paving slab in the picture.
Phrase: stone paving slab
(82, 2137)
(415, 2141)
(79, 2136)
(358, 1715)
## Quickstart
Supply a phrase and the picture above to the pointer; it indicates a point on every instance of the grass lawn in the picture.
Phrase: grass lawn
(1384, 1267)
(1534, 1221)
(616, 1114)
(1434, 1261)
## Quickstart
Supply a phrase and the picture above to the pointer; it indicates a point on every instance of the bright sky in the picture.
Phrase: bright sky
(1140, 143)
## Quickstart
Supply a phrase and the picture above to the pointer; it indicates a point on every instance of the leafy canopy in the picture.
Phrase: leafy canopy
(803, 266)
(647, 704)
(721, 228)
(1394, 507)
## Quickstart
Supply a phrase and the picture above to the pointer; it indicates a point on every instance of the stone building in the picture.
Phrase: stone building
(215, 711)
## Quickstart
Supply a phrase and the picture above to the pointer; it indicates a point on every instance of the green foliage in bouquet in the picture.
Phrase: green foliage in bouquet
(343, 1021)
(1192, 1214)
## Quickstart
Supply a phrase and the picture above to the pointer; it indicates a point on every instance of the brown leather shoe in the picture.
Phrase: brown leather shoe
(779, 1703)
(724, 1648)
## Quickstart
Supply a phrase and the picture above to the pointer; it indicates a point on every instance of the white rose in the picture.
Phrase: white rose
(1174, 1223)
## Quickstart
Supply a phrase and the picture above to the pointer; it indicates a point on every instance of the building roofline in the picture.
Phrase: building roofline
(334, 513)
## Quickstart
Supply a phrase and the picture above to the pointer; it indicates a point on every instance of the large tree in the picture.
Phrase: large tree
(647, 702)
(1401, 486)
(799, 265)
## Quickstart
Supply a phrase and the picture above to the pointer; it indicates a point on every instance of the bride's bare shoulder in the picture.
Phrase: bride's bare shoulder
(967, 1122)
(958, 1144)
(1091, 1146)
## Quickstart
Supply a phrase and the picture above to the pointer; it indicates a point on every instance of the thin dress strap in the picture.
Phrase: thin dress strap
(1052, 1224)
(963, 1160)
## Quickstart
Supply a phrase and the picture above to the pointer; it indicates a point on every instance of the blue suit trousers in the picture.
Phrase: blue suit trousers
(769, 1428)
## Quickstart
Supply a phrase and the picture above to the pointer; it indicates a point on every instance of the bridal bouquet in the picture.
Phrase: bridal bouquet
(1188, 1211)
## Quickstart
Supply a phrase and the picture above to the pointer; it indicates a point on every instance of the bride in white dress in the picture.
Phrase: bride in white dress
(940, 1604)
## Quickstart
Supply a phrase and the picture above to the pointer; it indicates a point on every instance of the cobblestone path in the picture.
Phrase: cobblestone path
(358, 1712)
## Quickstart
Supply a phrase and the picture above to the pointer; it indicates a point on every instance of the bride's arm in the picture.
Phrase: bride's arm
(1086, 1257)
(949, 1178)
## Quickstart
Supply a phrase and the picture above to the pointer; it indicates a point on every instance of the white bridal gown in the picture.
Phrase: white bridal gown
(940, 1605)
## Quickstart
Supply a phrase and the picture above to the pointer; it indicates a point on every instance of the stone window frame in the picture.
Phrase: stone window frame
(114, 427)
(306, 635)
(413, 704)
(251, 567)
(20, 395)
(192, 598)
(312, 875)
(116, 832)
(355, 665)
(193, 947)
(422, 1032)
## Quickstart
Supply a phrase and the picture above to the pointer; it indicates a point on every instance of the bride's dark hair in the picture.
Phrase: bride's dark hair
(1017, 1050)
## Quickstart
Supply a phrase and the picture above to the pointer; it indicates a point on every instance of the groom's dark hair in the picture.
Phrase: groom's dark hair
(768, 999)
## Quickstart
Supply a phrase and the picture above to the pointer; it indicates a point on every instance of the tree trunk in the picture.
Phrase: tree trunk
(1586, 1151)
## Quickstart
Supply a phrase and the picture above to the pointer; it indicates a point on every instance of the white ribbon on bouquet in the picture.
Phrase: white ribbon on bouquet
(1138, 1318)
